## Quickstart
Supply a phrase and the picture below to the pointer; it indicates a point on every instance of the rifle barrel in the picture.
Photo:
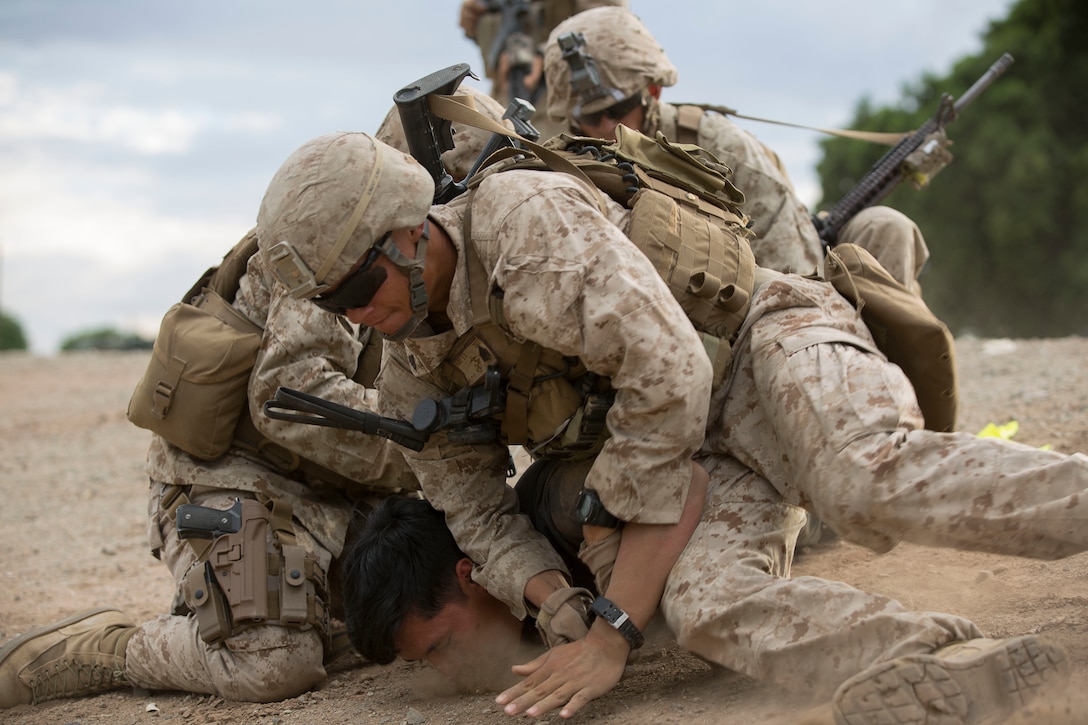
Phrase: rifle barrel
(1000, 66)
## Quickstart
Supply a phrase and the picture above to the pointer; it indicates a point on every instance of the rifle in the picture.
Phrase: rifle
(470, 415)
(917, 158)
(515, 37)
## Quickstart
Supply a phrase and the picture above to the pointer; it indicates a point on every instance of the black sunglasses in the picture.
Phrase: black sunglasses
(358, 289)
(616, 111)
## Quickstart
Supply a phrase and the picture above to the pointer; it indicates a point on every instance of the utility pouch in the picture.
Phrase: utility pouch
(205, 599)
(194, 391)
(706, 261)
(904, 329)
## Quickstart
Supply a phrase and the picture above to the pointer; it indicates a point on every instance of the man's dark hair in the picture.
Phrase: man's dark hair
(403, 561)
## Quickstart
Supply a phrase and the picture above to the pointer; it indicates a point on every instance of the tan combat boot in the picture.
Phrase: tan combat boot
(81, 655)
(976, 681)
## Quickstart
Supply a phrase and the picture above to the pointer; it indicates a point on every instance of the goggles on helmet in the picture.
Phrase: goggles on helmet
(616, 111)
(359, 287)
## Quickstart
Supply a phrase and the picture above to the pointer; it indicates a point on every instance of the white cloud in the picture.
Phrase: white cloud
(86, 112)
(50, 210)
(83, 112)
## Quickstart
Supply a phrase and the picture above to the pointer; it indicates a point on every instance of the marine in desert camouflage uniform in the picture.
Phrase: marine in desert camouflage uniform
(322, 475)
(481, 21)
(633, 68)
(810, 414)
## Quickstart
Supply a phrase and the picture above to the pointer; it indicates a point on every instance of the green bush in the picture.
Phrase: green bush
(11, 333)
(105, 339)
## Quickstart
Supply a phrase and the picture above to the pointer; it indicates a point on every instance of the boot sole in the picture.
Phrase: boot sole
(14, 644)
(926, 690)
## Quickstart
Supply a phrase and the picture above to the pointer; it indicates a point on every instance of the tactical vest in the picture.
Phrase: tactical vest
(685, 217)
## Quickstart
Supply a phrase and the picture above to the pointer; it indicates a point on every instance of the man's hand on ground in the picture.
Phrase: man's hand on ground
(568, 676)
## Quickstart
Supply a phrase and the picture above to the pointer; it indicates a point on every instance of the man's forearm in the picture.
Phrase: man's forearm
(540, 586)
(647, 553)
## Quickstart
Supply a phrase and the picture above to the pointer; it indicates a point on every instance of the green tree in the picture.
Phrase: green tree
(105, 338)
(1007, 221)
(11, 333)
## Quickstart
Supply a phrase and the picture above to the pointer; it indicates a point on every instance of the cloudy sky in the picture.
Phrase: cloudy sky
(137, 136)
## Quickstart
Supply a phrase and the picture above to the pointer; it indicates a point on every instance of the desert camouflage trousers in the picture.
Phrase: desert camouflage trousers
(814, 417)
(261, 663)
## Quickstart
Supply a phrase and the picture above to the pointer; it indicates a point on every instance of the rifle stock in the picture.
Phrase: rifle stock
(428, 136)
(917, 157)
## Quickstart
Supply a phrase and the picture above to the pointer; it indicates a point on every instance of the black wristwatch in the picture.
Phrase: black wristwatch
(591, 512)
(609, 612)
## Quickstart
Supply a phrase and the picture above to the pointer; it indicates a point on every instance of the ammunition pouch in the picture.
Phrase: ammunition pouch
(256, 576)
(702, 253)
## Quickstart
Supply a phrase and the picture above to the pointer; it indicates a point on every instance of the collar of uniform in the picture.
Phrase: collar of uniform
(426, 352)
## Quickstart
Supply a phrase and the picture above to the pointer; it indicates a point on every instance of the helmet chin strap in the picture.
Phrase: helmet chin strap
(417, 292)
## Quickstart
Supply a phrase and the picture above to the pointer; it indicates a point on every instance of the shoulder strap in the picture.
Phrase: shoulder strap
(225, 277)
(687, 123)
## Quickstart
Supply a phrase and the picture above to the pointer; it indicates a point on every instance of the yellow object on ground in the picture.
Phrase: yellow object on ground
(1005, 432)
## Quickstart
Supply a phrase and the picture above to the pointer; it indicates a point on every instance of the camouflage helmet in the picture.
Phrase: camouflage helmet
(468, 141)
(627, 59)
(330, 202)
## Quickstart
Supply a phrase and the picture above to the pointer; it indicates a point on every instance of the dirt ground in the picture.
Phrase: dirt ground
(72, 537)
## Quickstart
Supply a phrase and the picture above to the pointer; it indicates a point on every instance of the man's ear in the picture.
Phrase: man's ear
(420, 230)
(463, 569)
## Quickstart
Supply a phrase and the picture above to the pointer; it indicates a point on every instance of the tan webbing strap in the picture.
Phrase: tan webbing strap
(687, 123)
(460, 109)
(282, 526)
(164, 389)
(885, 139)
(516, 421)
(477, 275)
(353, 222)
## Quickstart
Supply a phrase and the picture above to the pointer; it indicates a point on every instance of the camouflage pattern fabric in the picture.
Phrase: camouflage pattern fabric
(261, 663)
(815, 417)
(574, 283)
(307, 349)
(893, 238)
(630, 60)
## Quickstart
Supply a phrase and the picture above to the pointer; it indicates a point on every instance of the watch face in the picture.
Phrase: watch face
(586, 508)
(592, 512)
